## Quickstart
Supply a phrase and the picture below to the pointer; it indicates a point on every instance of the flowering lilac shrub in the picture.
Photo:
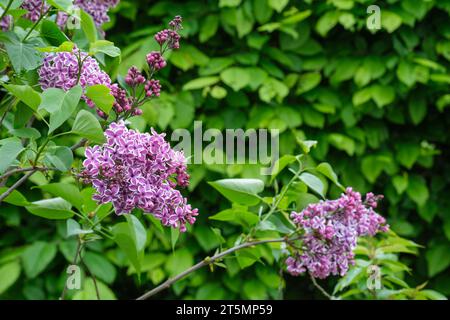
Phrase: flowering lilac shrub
(127, 187)
(139, 170)
(330, 231)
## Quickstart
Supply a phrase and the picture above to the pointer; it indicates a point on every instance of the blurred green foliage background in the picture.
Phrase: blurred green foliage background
(376, 101)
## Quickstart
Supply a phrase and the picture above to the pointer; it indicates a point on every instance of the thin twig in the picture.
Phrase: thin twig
(80, 144)
(30, 173)
(19, 170)
(77, 253)
(6, 9)
(88, 271)
(322, 290)
(16, 185)
(204, 263)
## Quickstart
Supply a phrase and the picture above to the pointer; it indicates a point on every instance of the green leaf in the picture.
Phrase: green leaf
(54, 209)
(131, 237)
(37, 257)
(229, 3)
(179, 261)
(308, 81)
(100, 267)
(341, 142)
(90, 293)
(326, 169)
(23, 54)
(400, 183)
(417, 108)
(390, 21)
(433, 295)
(382, 95)
(278, 5)
(280, 165)
(200, 83)
(9, 152)
(88, 26)
(52, 33)
(327, 22)
(235, 77)
(208, 27)
(106, 47)
(26, 94)
(60, 104)
(313, 183)
(417, 190)
(87, 126)
(73, 228)
(15, 198)
(67, 191)
(64, 5)
(60, 157)
(9, 273)
(438, 259)
(101, 96)
(29, 133)
(241, 191)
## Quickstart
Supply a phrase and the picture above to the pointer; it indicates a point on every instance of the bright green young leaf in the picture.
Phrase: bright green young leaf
(200, 83)
(314, 183)
(60, 104)
(88, 26)
(106, 47)
(9, 273)
(15, 198)
(26, 94)
(67, 191)
(241, 191)
(53, 209)
(9, 152)
(87, 126)
(101, 96)
(73, 228)
(60, 157)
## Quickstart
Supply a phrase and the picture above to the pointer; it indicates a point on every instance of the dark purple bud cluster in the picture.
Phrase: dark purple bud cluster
(156, 61)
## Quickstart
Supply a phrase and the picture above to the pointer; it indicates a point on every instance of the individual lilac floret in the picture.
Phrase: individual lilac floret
(139, 170)
(98, 9)
(331, 230)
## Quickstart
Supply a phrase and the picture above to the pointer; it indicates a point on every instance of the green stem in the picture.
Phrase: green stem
(35, 24)
(6, 9)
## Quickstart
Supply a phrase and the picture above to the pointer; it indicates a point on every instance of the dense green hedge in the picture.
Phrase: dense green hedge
(375, 101)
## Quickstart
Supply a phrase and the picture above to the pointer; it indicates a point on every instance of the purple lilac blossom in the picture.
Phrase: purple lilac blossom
(5, 23)
(98, 9)
(61, 70)
(139, 170)
(331, 230)
(35, 9)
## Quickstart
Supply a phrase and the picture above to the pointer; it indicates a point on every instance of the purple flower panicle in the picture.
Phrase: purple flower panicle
(98, 9)
(331, 230)
(139, 170)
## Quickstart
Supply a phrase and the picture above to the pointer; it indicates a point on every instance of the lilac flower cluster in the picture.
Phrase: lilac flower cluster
(61, 70)
(139, 170)
(170, 37)
(155, 60)
(331, 230)
(34, 7)
(98, 9)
